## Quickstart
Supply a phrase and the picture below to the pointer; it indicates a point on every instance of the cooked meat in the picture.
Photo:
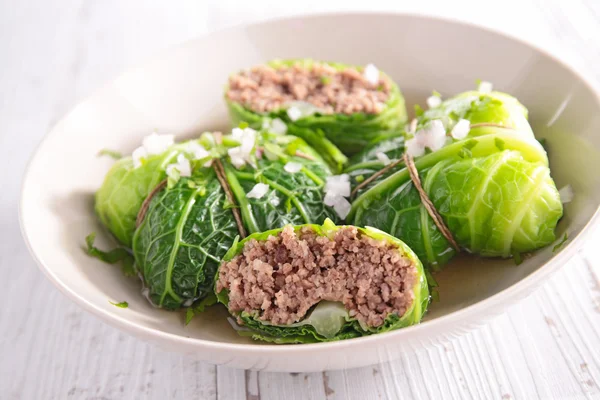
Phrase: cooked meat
(264, 89)
(283, 277)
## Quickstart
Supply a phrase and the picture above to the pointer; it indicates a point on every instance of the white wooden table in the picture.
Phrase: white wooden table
(54, 54)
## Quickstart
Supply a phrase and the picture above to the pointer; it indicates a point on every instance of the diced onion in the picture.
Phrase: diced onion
(242, 154)
(237, 134)
(182, 165)
(485, 87)
(278, 127)
(236, 156)
(414, 148)
(385, 160)
(138, 156)
(338, 184)
(566, 194)
(292, 167)
(434, 101)
(294, 113)
(258, 191)
(340, 205)
(156, 144)
(433, 135)
(342, 208)
(151, 144)
(198, 151)
(301, 109)
(371, 74)
(461, 129)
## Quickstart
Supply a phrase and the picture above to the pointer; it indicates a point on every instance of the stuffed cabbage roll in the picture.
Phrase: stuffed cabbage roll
(131, 179)
(348, 105)
(184, 230)
(489, 180)
(312, 283)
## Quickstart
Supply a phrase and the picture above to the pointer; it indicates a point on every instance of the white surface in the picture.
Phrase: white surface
(545, 347)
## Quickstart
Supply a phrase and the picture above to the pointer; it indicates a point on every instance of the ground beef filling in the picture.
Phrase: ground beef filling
(283, 277)
(264, 89)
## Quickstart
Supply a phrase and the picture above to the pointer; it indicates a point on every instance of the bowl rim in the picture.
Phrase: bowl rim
(471, 312)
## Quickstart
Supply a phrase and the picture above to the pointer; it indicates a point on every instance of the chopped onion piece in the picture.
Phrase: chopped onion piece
(485, 87)
(236, 134)
(182, 165)
(241, 154)
(371, 74)
(340, 204)
(258, 191)
(434, 101)
(414, 148)
(338, 184)
(236, 155)
(566, 194)
(301, 109)
(248, 140)
(461, 129)
(139, 155)
(383, 158)
(156, 144)
(278, 127)
(292, 167)
(198, 151)
(294, 113)
(433, 135)
(329, 199)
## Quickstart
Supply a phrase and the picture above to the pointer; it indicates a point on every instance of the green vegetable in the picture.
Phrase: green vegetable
(110, 153)
(179, 243)
(495, 203)
(113, 256)
(189, 315)
(561, 243)
(125, 188)
(189, 227)
(492, 189)
(350, 132)
(122, 304)
(329, 321)
(517, 258)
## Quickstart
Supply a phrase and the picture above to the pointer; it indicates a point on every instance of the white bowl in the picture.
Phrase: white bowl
(181, 92)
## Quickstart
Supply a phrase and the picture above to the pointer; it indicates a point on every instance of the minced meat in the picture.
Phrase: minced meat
(264, 89)
(280, 279)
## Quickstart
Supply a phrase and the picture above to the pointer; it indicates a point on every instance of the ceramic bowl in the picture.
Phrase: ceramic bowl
(180, 92)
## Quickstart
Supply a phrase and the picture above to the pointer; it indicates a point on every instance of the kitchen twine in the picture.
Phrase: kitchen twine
(416, 180)
(431, 210)
(146, 203)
